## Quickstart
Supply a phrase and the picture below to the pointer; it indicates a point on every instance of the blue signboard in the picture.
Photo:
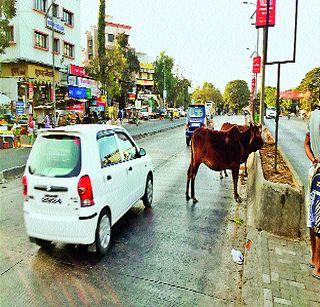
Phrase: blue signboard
(77, 92)
(57, 25)
(19, 107)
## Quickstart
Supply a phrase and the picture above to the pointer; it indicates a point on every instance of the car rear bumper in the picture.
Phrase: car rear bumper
(72, 230)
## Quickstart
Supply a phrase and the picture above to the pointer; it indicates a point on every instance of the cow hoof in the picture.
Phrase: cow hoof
(238, 199)
(221, 177)
(195, 200)
(188, 197)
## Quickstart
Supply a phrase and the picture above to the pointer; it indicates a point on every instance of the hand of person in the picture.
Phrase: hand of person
(316, 161)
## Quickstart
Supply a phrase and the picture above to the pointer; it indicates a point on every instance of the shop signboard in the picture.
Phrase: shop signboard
(30, 90)
(256, 65)
(77, 92)
(19, 107)
(261, 13)
(72, 80)
(76, 107)
(57, 25)
(77, 70)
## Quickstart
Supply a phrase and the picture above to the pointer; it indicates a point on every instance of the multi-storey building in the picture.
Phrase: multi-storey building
(112, 30)
(27, 66)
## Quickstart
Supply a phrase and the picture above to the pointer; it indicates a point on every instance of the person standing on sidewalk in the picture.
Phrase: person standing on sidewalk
(312, 148)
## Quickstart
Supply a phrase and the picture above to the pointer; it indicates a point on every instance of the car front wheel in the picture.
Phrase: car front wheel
(148, 193)
(103, 233)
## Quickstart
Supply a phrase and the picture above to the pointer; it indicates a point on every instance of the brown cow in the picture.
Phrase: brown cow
(253, 145)
(221, 150)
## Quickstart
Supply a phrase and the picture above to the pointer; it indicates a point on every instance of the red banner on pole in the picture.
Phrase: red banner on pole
(261, 13)
(256, 65)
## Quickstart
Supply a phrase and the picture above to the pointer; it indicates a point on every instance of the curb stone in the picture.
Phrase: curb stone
(18, 170)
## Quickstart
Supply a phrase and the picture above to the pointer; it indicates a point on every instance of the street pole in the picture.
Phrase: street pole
(256, 76)
(264, 61)
(53, 67)
(164, 85)
(277, 120)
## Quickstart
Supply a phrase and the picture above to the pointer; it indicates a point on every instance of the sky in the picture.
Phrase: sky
(212, 40)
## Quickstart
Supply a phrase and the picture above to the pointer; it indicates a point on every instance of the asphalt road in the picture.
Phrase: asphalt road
(291, 140)
(173, 254)
(10, 158)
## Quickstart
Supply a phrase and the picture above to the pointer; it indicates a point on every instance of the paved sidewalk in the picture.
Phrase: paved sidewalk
(276, 272)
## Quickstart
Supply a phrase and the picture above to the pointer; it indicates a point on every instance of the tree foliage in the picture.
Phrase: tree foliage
(270, 96)
(181, 95)
(163, 75)
(310, 86)
(7, 12)
(208, 92)
(236, 95)
(102, 29)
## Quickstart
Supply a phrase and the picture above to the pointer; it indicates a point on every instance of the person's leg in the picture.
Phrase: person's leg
(316, 270)
(313, 246)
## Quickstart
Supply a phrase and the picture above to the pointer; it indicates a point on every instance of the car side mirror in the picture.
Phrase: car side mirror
(142, 152)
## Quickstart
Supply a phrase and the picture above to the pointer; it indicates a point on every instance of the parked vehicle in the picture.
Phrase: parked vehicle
(271, 113)
(80, 180)
(144, 113)
(196, 118)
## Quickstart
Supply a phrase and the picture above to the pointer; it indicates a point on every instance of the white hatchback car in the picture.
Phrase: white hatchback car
(80, 180)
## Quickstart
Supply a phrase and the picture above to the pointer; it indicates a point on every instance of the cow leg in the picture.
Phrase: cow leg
(225, 173)
(193, 179)
(188, 183)
(245, 169)
(221, 175)
(235, 176)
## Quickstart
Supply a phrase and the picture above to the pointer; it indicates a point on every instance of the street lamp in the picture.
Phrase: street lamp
(53, 60)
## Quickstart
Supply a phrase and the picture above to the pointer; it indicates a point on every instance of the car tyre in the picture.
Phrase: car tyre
(43, 243)
(188, 141)
(148, 192)
(103, 233)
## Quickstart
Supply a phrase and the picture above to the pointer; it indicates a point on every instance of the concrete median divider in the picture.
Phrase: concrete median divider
(275, 207)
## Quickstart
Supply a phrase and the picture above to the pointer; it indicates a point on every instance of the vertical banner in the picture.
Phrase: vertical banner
(256, 65)
(261, 13)
(30, 90)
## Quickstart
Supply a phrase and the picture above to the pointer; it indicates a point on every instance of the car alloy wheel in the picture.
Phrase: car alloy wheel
(105, 231)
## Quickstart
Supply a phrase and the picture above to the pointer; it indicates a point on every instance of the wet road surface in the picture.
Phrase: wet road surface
(173, 254)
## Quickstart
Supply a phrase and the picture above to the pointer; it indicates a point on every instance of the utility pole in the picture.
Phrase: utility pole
(164, 85)
(53, 67)
(264, 61)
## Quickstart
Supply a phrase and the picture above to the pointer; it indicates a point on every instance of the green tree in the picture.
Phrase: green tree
(310, 86)
(7, 12)
(181, 92)
(236, 95)
(132, 67)
(163, 75)
(270, 96)
(208, 92)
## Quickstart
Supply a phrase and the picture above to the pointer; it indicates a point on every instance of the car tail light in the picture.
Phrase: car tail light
(85, 191)
(25, 185)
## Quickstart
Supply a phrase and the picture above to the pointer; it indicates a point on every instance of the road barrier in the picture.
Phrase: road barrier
(275, 207)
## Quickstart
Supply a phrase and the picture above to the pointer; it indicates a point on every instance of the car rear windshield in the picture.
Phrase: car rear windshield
(196, 111)
(56, 156)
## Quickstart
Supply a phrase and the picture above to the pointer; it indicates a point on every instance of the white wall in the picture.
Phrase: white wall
(28, 20)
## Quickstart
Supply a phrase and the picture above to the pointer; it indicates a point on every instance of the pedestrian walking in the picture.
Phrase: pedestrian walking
(121, 116)
(47, 123)
(31, 129)
(312, 148)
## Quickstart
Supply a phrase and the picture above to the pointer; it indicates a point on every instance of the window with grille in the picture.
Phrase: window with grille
(110, 38)
(56, 45)
(10, 34)
(55, 10)
(41, 40)
(68, 17)
(68, 50)
(40, 5)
